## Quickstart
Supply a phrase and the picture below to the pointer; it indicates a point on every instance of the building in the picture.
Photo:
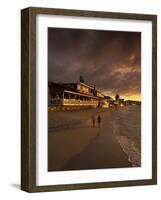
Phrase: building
(121, 102)
(132, 103)
(75, 95)
(109, 100)
(80, 95)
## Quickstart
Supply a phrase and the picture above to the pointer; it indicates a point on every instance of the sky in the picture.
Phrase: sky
(110, 60)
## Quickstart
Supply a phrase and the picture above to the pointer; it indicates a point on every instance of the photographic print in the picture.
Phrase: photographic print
(88, 99)
(94, 99)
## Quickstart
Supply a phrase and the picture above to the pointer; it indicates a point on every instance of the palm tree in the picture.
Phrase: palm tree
(117, 97)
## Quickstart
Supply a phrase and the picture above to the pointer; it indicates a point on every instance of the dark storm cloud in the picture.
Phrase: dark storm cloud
(108, 59)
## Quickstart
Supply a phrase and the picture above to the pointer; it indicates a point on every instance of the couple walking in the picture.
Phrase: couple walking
(98, 121)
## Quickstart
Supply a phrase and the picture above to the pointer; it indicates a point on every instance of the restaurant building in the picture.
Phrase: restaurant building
(75, 95)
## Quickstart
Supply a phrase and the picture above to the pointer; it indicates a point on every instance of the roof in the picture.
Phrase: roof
(82, 94)
(64, 87)
(108, 98)
(86, 85)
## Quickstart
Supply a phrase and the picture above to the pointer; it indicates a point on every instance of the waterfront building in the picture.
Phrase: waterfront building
(109, 100)
(132, 103)
(121, 102)
(74, 95)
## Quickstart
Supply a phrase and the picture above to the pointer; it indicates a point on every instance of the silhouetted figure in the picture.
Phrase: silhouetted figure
(99, 121)
(93, 121)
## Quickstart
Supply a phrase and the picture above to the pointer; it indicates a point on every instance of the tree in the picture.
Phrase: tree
(117, 97)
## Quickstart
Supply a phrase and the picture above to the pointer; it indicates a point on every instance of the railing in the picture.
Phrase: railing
(79, 102)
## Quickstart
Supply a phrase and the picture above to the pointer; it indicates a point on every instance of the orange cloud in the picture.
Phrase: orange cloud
(126, 69)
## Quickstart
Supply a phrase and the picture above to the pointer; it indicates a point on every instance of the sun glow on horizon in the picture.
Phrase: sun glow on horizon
(134, 97)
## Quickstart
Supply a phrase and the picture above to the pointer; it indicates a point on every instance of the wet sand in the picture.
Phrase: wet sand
(73, 143)
(127, 131)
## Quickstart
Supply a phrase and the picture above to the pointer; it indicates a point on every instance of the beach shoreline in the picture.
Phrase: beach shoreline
(73, 144)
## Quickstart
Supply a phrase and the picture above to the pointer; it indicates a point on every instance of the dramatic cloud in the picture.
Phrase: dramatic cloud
(109, 59)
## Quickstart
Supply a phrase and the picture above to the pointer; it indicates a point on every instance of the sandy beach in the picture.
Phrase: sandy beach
(73, 143)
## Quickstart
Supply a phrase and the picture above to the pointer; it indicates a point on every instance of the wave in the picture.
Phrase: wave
(129, 146)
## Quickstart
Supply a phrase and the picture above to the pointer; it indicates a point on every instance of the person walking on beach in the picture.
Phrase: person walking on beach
(99, 121)
(93, 121)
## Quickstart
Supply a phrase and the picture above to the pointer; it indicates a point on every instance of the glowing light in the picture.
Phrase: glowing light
(135, 97)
